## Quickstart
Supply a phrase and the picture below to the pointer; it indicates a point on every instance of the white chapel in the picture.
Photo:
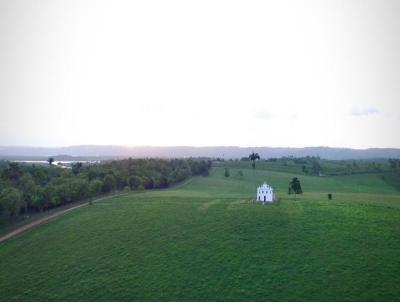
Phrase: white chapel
(265, 193)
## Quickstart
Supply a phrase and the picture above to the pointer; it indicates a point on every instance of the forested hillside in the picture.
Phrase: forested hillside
(32, 188)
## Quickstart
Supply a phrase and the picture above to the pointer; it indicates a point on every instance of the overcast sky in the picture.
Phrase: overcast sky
(246, 73)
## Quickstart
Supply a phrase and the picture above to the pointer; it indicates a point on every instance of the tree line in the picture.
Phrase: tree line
(33, 188)
(315, 166)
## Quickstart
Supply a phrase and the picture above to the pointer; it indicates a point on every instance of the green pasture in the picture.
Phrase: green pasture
(207, 241)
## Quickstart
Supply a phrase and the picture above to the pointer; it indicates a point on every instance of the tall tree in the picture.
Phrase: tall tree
(28, 188)
(76, 168)
(253, 157)
(13, 172)
(50, 160)
(315, 166)
(11, 201)
(108, 183)
(295, 187)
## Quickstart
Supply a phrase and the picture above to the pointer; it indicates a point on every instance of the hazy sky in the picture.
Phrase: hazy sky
(247, 73)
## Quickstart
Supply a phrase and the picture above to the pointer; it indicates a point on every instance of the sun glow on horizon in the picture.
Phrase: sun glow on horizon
(214, 73)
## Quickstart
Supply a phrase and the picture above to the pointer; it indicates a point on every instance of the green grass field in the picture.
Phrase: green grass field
(205, 241)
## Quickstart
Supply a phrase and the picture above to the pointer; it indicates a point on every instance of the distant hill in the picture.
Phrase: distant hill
(108, 152)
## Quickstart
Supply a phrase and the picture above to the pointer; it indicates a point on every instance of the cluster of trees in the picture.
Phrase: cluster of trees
(394, 163)
(31, 188)
(314, 165)
(311, 165)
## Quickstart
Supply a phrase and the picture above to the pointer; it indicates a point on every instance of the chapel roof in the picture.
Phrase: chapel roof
(265, 185)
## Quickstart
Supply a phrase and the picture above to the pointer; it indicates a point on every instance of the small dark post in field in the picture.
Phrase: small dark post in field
(330, 196)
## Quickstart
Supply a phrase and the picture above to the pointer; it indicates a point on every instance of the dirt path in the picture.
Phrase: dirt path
(43, 220)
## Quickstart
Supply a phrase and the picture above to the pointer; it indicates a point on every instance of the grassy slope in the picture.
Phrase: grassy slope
(205, 241)
(392, 179)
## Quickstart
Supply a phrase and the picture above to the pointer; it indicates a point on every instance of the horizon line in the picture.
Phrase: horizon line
(191, 146)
